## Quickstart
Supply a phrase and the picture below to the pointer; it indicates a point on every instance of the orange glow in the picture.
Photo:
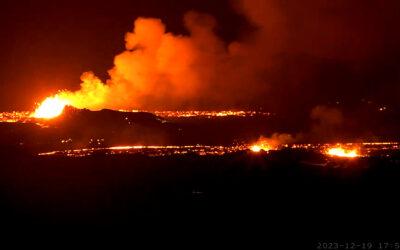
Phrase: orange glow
(209, 114)
(255, 148)
(276, 141)
(258, 147)
(51, 107)
(342, 152)
(152, 150)
(14, 116)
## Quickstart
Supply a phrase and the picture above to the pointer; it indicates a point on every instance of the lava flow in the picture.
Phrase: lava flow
(342, 152)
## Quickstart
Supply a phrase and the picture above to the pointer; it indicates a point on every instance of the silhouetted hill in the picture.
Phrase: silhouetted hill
(80, 128)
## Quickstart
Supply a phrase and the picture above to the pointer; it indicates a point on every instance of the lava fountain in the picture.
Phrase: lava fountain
(51, 107)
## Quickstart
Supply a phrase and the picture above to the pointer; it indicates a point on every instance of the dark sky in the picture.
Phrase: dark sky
(331, 50)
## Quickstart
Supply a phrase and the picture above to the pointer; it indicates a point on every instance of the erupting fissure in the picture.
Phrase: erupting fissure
(161, 70)
(51, 107)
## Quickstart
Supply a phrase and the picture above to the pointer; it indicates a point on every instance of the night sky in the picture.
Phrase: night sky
(324, 52)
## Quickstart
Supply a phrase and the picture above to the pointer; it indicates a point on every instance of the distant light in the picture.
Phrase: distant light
(382, 108)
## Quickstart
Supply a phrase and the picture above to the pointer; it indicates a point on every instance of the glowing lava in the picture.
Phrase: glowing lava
(255, 148)
(258, 147)
(51, 107)
(341, 152)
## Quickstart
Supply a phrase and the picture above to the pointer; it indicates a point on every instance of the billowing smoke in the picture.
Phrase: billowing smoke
(293, 51)
(160, 70)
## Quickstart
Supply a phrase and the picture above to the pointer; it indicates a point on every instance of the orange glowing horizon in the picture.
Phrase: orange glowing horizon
(53, 106)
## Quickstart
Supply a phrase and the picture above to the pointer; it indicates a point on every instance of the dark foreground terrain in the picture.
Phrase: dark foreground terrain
(277, 196)
(279, 192)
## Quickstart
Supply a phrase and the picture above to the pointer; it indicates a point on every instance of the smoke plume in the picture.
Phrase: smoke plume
(291, 49)
(161, 70)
